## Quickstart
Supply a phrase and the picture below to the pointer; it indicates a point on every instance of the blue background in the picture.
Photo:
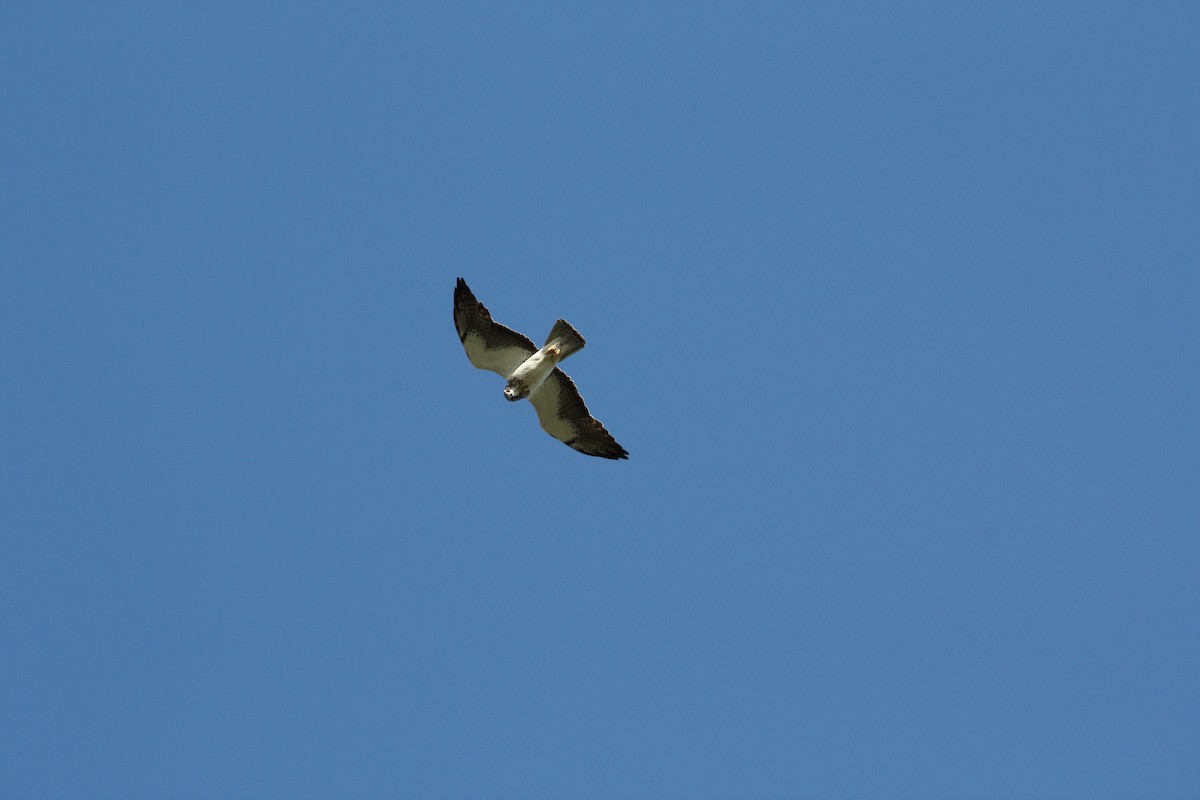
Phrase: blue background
(894, 306)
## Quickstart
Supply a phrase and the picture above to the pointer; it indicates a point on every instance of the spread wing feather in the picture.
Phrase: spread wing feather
(564, 415)
(489, 344)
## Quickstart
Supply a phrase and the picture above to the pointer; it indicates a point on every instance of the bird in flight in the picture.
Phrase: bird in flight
(533, 373)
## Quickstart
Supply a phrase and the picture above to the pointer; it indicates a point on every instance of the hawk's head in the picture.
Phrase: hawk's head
(515, 390)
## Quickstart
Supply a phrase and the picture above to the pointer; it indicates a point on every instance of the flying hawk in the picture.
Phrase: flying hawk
(533, 373)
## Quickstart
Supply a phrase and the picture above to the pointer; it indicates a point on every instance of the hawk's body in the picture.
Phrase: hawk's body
(533, 372)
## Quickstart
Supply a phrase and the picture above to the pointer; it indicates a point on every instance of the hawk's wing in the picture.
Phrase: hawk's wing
(564, 416)
(489, 344)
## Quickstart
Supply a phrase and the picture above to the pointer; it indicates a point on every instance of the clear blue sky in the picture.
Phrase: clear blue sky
(895, 307)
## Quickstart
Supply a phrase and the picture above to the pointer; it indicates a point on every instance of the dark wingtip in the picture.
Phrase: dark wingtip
(462, 293)
(462, 296)
(616, 453)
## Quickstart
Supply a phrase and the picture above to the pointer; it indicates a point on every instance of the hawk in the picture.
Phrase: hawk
(533, 373)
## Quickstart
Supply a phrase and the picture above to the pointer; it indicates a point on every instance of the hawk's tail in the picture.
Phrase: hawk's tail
(568, 339)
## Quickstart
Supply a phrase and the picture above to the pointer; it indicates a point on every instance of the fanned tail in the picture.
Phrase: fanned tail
(566, 338)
